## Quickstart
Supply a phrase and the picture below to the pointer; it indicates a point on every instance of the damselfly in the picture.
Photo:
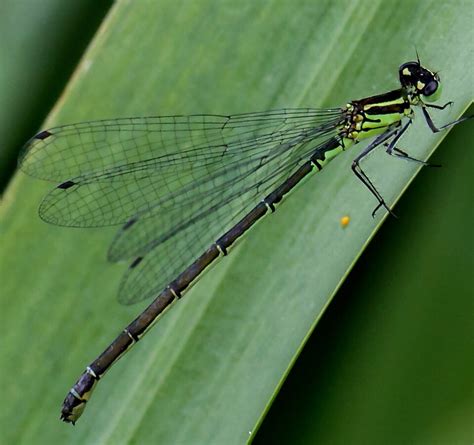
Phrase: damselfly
(185, 188)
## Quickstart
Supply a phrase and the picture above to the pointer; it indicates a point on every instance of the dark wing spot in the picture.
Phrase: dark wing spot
(66, 185)
(129, 223)
(43, 135)
(136, 262)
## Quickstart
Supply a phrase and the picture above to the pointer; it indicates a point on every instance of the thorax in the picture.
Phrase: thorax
(374, 115)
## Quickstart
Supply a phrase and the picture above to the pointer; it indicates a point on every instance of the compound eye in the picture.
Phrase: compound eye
(430, 88)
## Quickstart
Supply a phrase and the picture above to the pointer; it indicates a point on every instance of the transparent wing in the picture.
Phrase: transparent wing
(110, 170)
(176, 182)
(160, 254)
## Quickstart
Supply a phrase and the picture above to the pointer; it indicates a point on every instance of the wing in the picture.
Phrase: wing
(176, 182)
(161, 255)
(110, 170)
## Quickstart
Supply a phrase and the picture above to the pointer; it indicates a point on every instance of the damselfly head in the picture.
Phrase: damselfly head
(420, 81)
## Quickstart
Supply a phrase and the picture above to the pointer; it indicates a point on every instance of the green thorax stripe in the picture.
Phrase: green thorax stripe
(393, 102)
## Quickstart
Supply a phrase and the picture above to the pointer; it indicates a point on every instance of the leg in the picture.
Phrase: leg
(439, 107)
(363, 177)
(394, 151)
(402, 155)
(431, 124)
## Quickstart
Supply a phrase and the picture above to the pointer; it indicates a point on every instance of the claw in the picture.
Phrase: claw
(382, 204)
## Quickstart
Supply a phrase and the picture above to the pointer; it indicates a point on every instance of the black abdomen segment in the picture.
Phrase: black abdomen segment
(76, 399)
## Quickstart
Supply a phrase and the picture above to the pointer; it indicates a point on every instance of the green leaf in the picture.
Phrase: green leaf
(208, 371)
(391, 361)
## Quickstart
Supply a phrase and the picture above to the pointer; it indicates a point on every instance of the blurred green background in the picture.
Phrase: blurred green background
(390, 360)
(40, 45)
